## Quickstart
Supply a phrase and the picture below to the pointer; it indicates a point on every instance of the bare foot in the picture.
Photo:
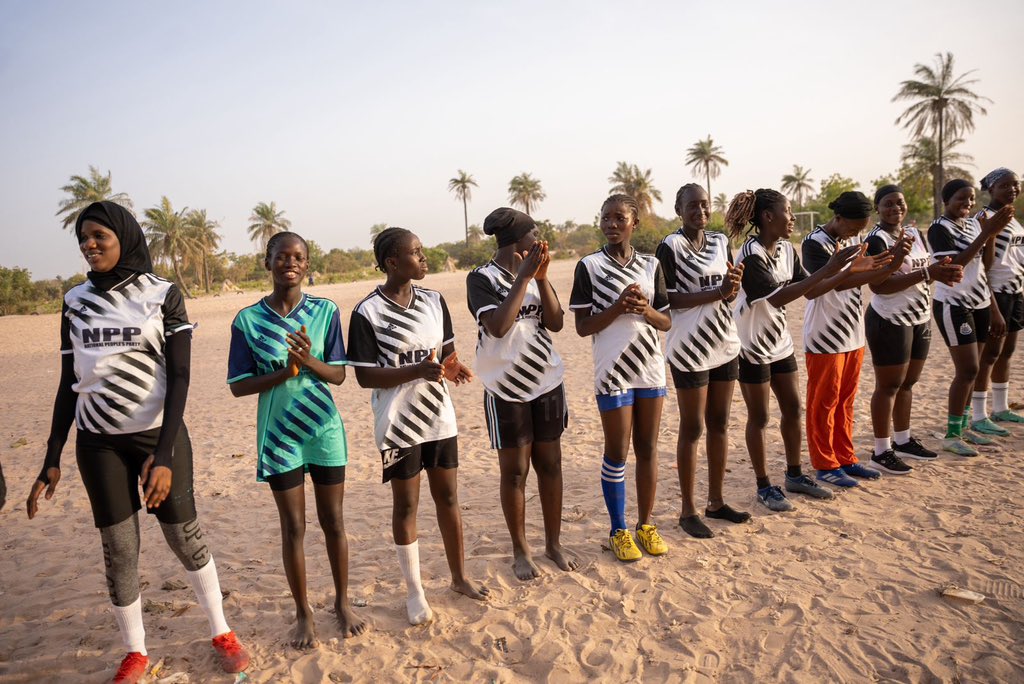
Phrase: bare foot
(351, 625)
(524, 568)
(566, 560)
(471, 589)
(304, 635)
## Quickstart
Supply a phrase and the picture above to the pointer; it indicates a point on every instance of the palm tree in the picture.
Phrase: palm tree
(265, 222)
(84, 191)
(461, 185)
(525, 191)
(721, 203)
(204, 238)
(798, 184)
(705, 157)
(169, 238)
(630, 180)
(376, 229)
(943, 108)
(921, 159)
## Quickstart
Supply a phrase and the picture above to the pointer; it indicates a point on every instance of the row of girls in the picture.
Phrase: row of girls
(725, 319)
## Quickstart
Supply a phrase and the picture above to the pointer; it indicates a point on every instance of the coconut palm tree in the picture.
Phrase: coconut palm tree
(525, 191)
(203, 236)
(84, 191)
(461, 185)
(721, 203)
(943, 107)
(798, 185)
(265, 222)
(921, 158)
(170, 240)
(705, 157)
(630, 180)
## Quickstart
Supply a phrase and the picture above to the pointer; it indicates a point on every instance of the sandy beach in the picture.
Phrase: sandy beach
(842, 590)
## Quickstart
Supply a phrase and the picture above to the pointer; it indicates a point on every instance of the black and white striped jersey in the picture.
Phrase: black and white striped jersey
(523, 364)
(702, 337)
(834, 321)
(764, 334)
(627, 354)
(1006, 274)
(947, 238)
(912, 306)
(117, 338)
(384, 334)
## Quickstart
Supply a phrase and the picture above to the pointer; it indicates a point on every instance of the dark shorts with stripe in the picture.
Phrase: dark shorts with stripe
(759, 373)
(513, 424)
(1012, 308)
(894, 345)
(407, 462)
(110, 467)
(959, 325)
(728, 371)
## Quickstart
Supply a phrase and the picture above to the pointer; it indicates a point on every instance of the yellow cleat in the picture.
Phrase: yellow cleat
(624, 547)
(651, 541)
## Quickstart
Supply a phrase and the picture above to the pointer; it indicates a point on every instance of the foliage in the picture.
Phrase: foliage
(265, 222)
(706, 158)
(84, 191)
(316, 256)
(15, 289)
(461, 185)
(830, 188)
(170, 240)
(437, 259)
(526, 192)
(630, 180)
(798, 185)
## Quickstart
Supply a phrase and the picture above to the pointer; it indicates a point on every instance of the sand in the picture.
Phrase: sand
(842, 590)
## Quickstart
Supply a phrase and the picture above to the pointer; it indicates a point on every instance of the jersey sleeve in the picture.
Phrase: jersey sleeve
(941, 241)
(876, 245)
(334, 341)
(799, 272)
(447, 328)
(173, 310)
(668, 265)
(362, 342)
(814, 255)
(582, 296)
(480, 295)
(65, 331)
(758, 281)
(241, 361)
(660, 299)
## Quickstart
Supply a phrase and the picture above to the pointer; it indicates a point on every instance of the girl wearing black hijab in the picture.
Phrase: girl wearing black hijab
(125, 347)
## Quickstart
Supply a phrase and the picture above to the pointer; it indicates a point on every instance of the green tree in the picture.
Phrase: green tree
(15, 290)
(721, 203)
(170, 240)
(316, 256)
(707, 159)
(525, 191)
(630, 180)
(798, 185)
(204, 239)
(921, 160)
(376, 229)
(942, 107)
(265, 222)
(461, 185)
(84, 191)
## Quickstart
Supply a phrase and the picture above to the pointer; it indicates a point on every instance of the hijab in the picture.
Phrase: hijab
(134, 252)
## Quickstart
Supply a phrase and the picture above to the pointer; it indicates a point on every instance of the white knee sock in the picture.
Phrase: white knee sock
(416, 603)
(901, 436)
(978, 409)
(1000, 397)
(129, 621)
(207, 587)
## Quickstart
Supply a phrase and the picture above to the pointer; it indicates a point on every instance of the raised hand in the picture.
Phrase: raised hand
(631, 300)
(841, 258)
(542, 272)
(32, 503)
(429, 368)
(731, 284)
(455, 371)
(530, 261)
(863, 263)
(991, 225)
(946, 272)
(299, 345)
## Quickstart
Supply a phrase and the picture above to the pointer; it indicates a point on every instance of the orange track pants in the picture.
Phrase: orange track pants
(832, 381)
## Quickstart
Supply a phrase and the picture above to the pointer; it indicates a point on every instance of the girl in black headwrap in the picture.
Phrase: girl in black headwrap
(125, 344)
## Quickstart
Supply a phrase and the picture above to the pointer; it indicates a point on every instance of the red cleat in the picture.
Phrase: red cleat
(133, 667)
(232, 655)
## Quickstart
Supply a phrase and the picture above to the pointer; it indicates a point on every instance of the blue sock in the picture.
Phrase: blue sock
(613, 484)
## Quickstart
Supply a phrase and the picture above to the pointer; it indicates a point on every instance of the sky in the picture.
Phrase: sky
(352, 114)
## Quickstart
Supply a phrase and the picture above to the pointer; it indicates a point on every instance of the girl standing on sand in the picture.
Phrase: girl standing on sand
(394, 336)
(619, 298)
(702, 349)
(287, 348)
(772, 278)
(126, 343)
(964, 310)
(1004, 263)
(515, 307)
(898, 328)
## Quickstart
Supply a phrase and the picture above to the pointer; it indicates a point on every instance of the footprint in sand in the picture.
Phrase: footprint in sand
(597, 654)
(708, 663)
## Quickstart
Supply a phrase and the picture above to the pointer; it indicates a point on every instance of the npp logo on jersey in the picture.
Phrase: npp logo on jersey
(111, 337)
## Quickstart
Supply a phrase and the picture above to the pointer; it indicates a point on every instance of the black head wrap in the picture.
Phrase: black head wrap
(994, 176)
(851, 205)
(508, 225)
(134, 252)
(952, 187)
(886, 190)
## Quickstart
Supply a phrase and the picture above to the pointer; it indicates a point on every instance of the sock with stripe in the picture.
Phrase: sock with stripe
(129, 621)
(613, 486)
(954, 426)
(1000, 397)
(965, 419)
(979, 410)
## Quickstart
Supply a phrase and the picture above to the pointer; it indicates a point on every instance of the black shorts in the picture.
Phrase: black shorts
(110, 466)
(960, 325)
(407, 462)
(320, 475)
(514, 424)
(895, 345)
(730, 370)
(1012, 308)
(760, 373)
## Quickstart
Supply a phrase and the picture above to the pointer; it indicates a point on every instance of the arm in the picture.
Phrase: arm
(299, 346)
(376, 377)
(552, 317)
(497, 322)
(862, 268)
(990, 227)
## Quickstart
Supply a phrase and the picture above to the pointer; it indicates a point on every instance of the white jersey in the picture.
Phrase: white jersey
(834, 321)
(384, 334)
(117, 338)
(947, 239)
(627, 354)
(764, 334)
(913, 305)
(1006, 274)
(702, 337)
(523, 364)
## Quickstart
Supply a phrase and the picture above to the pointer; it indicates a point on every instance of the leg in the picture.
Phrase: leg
(755, 396)
(121, 562)
(842, 434)
(787, 394)
(646, 423)
(405, 496)
(617, 424)
(547, 462)
(823, 380)
(692, 403)
(444, 490)
(1001, 368)
(965, 372)
(291, 509)
(330, 500)
(904, 401)
(716, 418)
(515, 467)
(889, 381)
